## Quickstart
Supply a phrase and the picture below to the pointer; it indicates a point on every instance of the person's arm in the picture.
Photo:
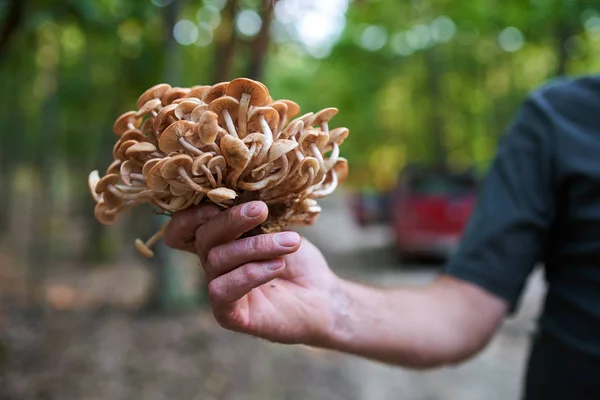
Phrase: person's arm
(279, 287)
(446, 322)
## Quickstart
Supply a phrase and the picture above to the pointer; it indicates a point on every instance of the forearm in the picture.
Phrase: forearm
(444, 323)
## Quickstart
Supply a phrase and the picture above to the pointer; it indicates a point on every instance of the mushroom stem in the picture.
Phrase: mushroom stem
(137, 177)
(243, 115)
(229, 123)
(219, 175)
(131, 189)
(144, 247)
(130, 126)
(186, 177)
(281, 126)
(210, 177)
(335, 153)
(268, 138)
(118, 193)
(189, 147)
(318, 156)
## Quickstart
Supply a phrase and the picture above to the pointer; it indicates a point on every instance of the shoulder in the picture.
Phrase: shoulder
(570, 98)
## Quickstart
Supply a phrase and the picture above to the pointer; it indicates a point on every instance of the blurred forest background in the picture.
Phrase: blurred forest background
(415, 81)
(428, 81)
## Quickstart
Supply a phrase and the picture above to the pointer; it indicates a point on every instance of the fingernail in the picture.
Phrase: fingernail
(274, 265)
(286, 239)
(251, 210)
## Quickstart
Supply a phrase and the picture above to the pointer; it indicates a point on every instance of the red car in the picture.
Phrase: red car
(429, 211)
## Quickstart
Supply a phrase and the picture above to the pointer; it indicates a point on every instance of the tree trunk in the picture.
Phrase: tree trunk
(260, 45)
(435, 101)
(225, 43)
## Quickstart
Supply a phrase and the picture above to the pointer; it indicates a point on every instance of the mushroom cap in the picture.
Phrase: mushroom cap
(133, 134)
(280, 107)
(215, 92)
(197, 112)
(170, 168)
(185, 108)
(324, 115)
(293, 108)
(199, 161)
(114, 167)
(208, 126)
(235, 152)
(172, 94)
(306, 164)
(338, 135)
(341, 170)
(149, 164)
(270, 115)
(322, 140)
(292, 129)
(102, 184)
(198, 91)
(254, 137)
(149, 106)
(155, 92)
(308, 137)
(257, 91)
(306, 118)
(126, 169)
(228, 103)
(93, 179)
(123, 148)
(154, 179)
(169, 139)
(165, 117)
(147, 126)
(216, 162)
(279, 148)
(143, 249)
(111, 200)
(221, 194)
(120, 125)
(104, 214)
(139, 149)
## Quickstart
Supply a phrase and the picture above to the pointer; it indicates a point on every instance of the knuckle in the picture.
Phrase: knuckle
(215, 292)
(214, 256)
(252, 273)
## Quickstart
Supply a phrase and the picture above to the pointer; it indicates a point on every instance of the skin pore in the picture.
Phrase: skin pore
(280, 288)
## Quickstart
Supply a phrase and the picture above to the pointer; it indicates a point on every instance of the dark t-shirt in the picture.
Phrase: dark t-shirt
(540, 202)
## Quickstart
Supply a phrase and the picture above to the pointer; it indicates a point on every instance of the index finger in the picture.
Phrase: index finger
(181, 232)
(229, 225)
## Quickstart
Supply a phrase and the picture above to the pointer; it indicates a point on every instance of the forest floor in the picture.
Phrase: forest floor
(118, 353)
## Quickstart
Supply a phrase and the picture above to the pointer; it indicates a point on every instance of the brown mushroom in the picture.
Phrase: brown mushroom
(93, 179)
(165, 117)
(149, 107)
(184, 109)
(338, 135)
(104, 214)
(181, 166)
(293, 108)
(221, 195)
(269, 179)
(293, 129)
(217, 165)
(140, 151)
(279, 148)
(322, 117)
(105, 181)
(172, 94)
(197, 112)
(198, 91)
(235, 152)
(154, 179)
(144, 247)
(208, 127)
(149, 164)
(198, 162)
(133, 134)
(126, 121)
(264, 118)
(227, 109)
(155, 92)
(114, 167)
(215, 92)
(173, 138)
(249, 93)
(130, 172)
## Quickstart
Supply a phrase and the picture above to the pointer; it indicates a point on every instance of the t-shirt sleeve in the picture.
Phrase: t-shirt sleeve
(505, 236)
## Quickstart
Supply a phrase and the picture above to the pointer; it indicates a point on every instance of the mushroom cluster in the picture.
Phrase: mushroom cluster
(226, 144)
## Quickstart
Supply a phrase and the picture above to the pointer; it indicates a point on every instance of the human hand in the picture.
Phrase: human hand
(275, 286)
